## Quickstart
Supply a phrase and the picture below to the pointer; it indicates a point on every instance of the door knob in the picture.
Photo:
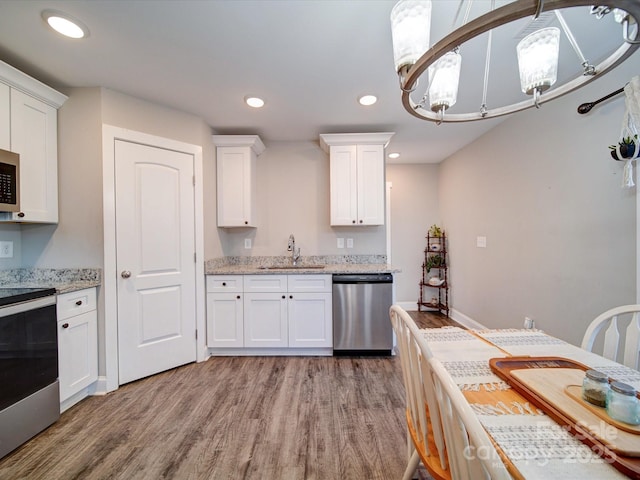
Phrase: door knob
(125, 274)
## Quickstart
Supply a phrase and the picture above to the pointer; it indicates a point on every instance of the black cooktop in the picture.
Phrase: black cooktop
(9, 296)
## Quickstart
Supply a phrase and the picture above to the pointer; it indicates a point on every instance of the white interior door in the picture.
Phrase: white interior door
(155, 245)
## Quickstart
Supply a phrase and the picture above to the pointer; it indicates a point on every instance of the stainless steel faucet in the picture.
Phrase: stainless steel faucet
(295, 252)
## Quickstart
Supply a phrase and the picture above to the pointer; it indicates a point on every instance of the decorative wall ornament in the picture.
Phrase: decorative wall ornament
(629, 130)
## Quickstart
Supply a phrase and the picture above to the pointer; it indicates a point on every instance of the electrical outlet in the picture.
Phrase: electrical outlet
(247, 243)
(341, 243)
(529, 323)
(481, 242)
(349, 242)
(6, 249)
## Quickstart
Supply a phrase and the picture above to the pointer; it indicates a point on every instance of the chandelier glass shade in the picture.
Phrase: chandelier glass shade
(444, 76)
(536, 52)
(410, 27)
(538, 59)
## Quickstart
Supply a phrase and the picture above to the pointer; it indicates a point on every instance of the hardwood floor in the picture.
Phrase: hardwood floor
(234, 418)
(432, 320)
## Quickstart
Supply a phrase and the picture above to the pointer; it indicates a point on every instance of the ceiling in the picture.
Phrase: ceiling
(309, 59)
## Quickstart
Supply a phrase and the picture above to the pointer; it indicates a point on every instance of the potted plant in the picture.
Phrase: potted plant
(436, 231)
(627, 148)
(434, 261)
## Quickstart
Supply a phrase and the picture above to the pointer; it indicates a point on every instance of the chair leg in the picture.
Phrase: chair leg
(411, 466)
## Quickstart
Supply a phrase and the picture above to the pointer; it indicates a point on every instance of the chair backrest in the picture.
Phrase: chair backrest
(472, 455)
(609, 319)
(422, 407)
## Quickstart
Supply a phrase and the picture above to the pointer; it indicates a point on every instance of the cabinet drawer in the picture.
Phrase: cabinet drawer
(224, 283)
(265, 283)
(309, 283)
(75, 303)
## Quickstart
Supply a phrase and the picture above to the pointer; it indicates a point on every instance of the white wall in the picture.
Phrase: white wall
(561, 243)
(11, 233)
(414, 208)
(293, 198)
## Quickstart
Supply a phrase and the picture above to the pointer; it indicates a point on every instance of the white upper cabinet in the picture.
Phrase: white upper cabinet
(356, 177)
(236, 171)
(5, 117)
(31, 131)
(34, 136)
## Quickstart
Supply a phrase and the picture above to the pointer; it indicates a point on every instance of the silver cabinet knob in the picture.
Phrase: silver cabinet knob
(125, 274)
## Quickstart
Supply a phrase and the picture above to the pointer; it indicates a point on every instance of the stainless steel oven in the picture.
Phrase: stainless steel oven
(29, 392)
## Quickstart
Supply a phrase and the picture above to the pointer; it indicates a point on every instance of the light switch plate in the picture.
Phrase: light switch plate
(481, 242)
(247, 243)
(341, 243)
(6, 249)
(349, 242)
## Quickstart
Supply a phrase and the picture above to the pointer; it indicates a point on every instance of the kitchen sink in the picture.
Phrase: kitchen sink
(293, 267)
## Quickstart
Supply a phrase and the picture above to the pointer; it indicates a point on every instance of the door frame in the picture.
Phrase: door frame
(110, 134)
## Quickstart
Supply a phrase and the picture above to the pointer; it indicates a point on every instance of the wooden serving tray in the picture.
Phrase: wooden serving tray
(543, 380)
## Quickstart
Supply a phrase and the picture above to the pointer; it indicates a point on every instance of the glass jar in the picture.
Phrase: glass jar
(595, 387)
(622, 403)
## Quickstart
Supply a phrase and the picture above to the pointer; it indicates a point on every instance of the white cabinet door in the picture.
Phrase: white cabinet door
(77, 342)
(343, 184)
(265, 320)
(77, 353)
(235, 170)
(34, 137)
(225, 320)
(310, 320)
(5, 117)
(357, 184)
(371, 189)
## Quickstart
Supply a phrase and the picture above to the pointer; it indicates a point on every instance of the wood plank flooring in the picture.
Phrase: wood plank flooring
(234, 418)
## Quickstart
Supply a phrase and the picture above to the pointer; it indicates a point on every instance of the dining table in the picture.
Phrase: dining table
(531, 440)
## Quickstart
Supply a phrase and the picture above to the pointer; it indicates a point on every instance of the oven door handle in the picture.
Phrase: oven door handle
(28, 305)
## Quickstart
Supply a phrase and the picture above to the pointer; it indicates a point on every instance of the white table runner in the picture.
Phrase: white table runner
(537, 446)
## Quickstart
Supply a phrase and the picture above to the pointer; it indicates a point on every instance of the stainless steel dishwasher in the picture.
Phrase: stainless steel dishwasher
(361, 322)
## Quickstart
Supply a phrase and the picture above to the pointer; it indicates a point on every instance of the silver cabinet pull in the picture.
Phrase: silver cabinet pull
(125, 274)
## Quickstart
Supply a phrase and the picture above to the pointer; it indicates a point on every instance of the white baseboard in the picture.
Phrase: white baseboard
(99, 387)
(464, 320)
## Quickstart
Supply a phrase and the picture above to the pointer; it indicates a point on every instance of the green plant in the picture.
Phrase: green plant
(434, 261)
(435, 231)
(627, 147)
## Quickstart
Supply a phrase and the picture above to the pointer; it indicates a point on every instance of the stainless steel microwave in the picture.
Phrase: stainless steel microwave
(9, 181)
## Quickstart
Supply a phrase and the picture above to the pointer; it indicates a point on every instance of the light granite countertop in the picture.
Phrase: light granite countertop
(64, 280)
(327, 264)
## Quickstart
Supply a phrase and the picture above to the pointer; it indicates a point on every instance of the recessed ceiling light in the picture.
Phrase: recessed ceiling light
(65, 24)
(367, 100)
(394, 155)
(254, 102)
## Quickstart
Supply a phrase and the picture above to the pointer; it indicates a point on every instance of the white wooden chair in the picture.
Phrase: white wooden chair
(612, 335)
(471, 454)
(425, 441)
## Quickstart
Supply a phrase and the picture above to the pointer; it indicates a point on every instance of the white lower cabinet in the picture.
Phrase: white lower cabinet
(77, 345)
(310, 320)
(225, 311)
(265, 320)
(269, 312)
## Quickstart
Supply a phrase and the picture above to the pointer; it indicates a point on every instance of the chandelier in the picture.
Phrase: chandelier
(439, 66)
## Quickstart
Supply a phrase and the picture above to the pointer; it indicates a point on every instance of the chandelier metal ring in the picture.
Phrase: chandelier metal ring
(501, 16)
